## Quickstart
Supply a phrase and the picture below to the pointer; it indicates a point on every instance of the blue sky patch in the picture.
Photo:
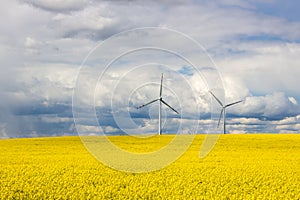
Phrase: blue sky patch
(186, 70)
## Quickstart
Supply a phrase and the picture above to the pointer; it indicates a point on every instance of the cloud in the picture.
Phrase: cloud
(38, 101)
(271, 106)
(122, 96)
(30, 42)
(265, 68)
(287, 120)
(52, 119)
(255, 46)
(92, 22)
(288, 125)
(248, 121)
(58, 5)
(87, 130)
(54, 83)
(293, 100)
(236, 3)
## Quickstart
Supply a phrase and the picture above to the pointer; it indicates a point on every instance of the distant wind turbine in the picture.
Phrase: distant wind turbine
(160, 99)
(223, 111)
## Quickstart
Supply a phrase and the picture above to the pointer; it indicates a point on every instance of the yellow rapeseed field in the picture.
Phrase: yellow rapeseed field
(265, 166)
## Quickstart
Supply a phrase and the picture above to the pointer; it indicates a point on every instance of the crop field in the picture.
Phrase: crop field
(260, 166)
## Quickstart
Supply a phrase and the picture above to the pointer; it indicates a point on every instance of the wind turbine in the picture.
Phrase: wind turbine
(223, 111)
(160, 99)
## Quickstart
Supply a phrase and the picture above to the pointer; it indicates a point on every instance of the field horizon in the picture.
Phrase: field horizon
(151, 135)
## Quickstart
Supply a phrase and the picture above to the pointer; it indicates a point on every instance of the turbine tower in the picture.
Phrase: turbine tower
(160, 99)
(223, 111)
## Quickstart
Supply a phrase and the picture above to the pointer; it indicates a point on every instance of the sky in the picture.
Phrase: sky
(54, 57)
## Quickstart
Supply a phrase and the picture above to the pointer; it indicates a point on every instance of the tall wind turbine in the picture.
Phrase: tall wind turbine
(160, 99)
(223, 111)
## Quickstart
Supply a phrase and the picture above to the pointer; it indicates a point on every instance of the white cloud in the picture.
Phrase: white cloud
(289, 128)
(276, 105)
(235, 88)
(54, 119)
(58, 5)
(87, 130)
(257, 55)
(238, 131)
(110, 129)
(85, 23)
(30, 42)
(267, 66)
(50, 82)
(293, 100)
(244, 120)
(288, 121)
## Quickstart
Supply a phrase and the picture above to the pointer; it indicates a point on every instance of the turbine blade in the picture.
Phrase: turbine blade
(216, 98)
(169, 106)
(161, 81)
(147, 104)
(220, 117)
(233, 103)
